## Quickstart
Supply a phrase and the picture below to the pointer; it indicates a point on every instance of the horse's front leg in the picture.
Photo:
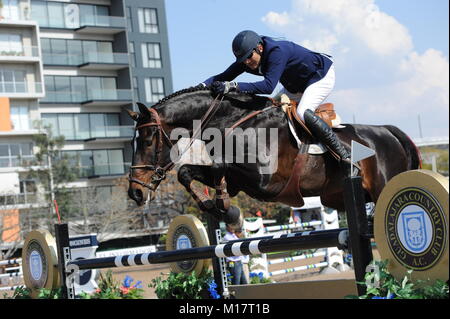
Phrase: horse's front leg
(220, 185)
(186, 176)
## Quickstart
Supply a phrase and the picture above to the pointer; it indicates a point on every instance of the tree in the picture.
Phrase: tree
(51, 168)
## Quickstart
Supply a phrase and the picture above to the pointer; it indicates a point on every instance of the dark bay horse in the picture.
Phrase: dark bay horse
(295, 174)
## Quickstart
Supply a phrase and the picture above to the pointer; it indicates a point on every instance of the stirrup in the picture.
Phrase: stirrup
(347, 164)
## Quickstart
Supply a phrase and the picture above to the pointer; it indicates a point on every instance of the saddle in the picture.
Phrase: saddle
(291, 192)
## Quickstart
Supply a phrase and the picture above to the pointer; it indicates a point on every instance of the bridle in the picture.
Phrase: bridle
(160, 172)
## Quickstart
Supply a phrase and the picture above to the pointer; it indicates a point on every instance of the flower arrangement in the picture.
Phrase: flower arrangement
(185, 286)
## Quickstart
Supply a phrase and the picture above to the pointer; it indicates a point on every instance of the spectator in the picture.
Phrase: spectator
(234, 263)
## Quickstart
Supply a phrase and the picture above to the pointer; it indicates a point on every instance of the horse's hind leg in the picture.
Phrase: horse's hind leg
(186, 176)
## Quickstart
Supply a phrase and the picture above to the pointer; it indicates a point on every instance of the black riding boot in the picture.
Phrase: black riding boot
(325, 134)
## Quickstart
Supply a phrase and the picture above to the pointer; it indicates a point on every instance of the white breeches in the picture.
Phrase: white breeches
(314, 94)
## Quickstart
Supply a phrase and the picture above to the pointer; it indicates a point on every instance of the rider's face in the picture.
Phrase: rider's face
(254, 60)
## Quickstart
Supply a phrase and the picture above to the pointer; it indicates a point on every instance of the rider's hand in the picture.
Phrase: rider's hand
(223, 87)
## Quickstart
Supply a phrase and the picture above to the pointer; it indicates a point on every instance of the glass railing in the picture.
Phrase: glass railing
(105, 57)
(14, 13)
(105, 95)
(91, 95)
(22, 199)
(20, 87)
(86, 21)
(92, 57)
(22, 51)
(103, 170)
(112, 131)
(17, 161)
(103, 21)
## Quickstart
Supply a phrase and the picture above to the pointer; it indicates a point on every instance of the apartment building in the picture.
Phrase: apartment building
(75, 65)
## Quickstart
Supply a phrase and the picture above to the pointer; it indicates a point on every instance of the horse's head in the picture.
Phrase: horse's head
(147, 168)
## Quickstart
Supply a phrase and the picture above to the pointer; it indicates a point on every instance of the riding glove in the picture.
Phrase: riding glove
(223, 87)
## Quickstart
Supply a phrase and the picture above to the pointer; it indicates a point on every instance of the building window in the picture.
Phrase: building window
(19, 118)
(97, 162)
(148, 21)
(15, 155)
(154, 89)
(11, 44)
(54, 14)
(129, 20)
(133, 55)
(10, 9)
(12, 81)
(136, 88)
(78, 89)
(151, 55)
(81, 126)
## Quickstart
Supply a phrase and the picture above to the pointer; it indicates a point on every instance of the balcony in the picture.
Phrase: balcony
(103, 171)
(91, 61)
(108, 97)
(12, 15)
(113, 97)
(27, 90)
(105, 61)
(111, 134)
(19, 54)
(101, 25)
(16, 161)
(23, 200)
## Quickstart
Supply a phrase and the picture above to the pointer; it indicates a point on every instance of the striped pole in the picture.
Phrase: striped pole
(292, 226)
(295, 258)
(14, 269)
(253, 246)
(10, 275)
(12, 288)
(11, 261)
(285, 271)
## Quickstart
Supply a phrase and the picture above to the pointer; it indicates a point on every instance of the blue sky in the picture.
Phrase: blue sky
(391, 56)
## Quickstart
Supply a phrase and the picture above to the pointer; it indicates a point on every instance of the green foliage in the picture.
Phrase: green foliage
(185, 286)
(19, 293)
(258, 278)
(387, 287)
(25, 293)
(109, 288)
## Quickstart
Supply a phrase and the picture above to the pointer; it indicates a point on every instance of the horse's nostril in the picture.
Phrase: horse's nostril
(136, 195)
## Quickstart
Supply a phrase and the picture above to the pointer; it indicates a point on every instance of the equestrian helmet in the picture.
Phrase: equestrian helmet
(244, 43)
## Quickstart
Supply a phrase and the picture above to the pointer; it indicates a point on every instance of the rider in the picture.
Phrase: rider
(307, 77)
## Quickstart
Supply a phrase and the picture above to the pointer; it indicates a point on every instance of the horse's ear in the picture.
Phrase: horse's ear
(133, 115)
(144, 110)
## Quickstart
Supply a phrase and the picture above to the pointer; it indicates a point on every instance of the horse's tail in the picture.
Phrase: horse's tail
(412, 152)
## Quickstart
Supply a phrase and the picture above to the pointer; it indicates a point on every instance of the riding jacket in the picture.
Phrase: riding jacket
(294, 66)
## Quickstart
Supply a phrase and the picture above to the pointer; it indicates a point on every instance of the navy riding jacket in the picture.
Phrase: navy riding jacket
(294, 66)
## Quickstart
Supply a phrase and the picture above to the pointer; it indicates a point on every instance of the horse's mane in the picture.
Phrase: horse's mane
(182, 91)
(191, 89)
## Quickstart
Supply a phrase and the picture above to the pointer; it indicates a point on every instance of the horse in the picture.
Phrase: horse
(296, 174)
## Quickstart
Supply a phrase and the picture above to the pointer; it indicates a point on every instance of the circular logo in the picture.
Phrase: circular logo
(183, 238)
(37, 264)
(416, 228)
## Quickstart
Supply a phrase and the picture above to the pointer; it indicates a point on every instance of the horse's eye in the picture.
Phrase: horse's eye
(148, 142)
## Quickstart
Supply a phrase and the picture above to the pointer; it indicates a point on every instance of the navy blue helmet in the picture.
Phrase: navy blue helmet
(244, 43)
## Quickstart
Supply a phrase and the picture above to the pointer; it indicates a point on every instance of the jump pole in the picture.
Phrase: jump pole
(303, 240)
